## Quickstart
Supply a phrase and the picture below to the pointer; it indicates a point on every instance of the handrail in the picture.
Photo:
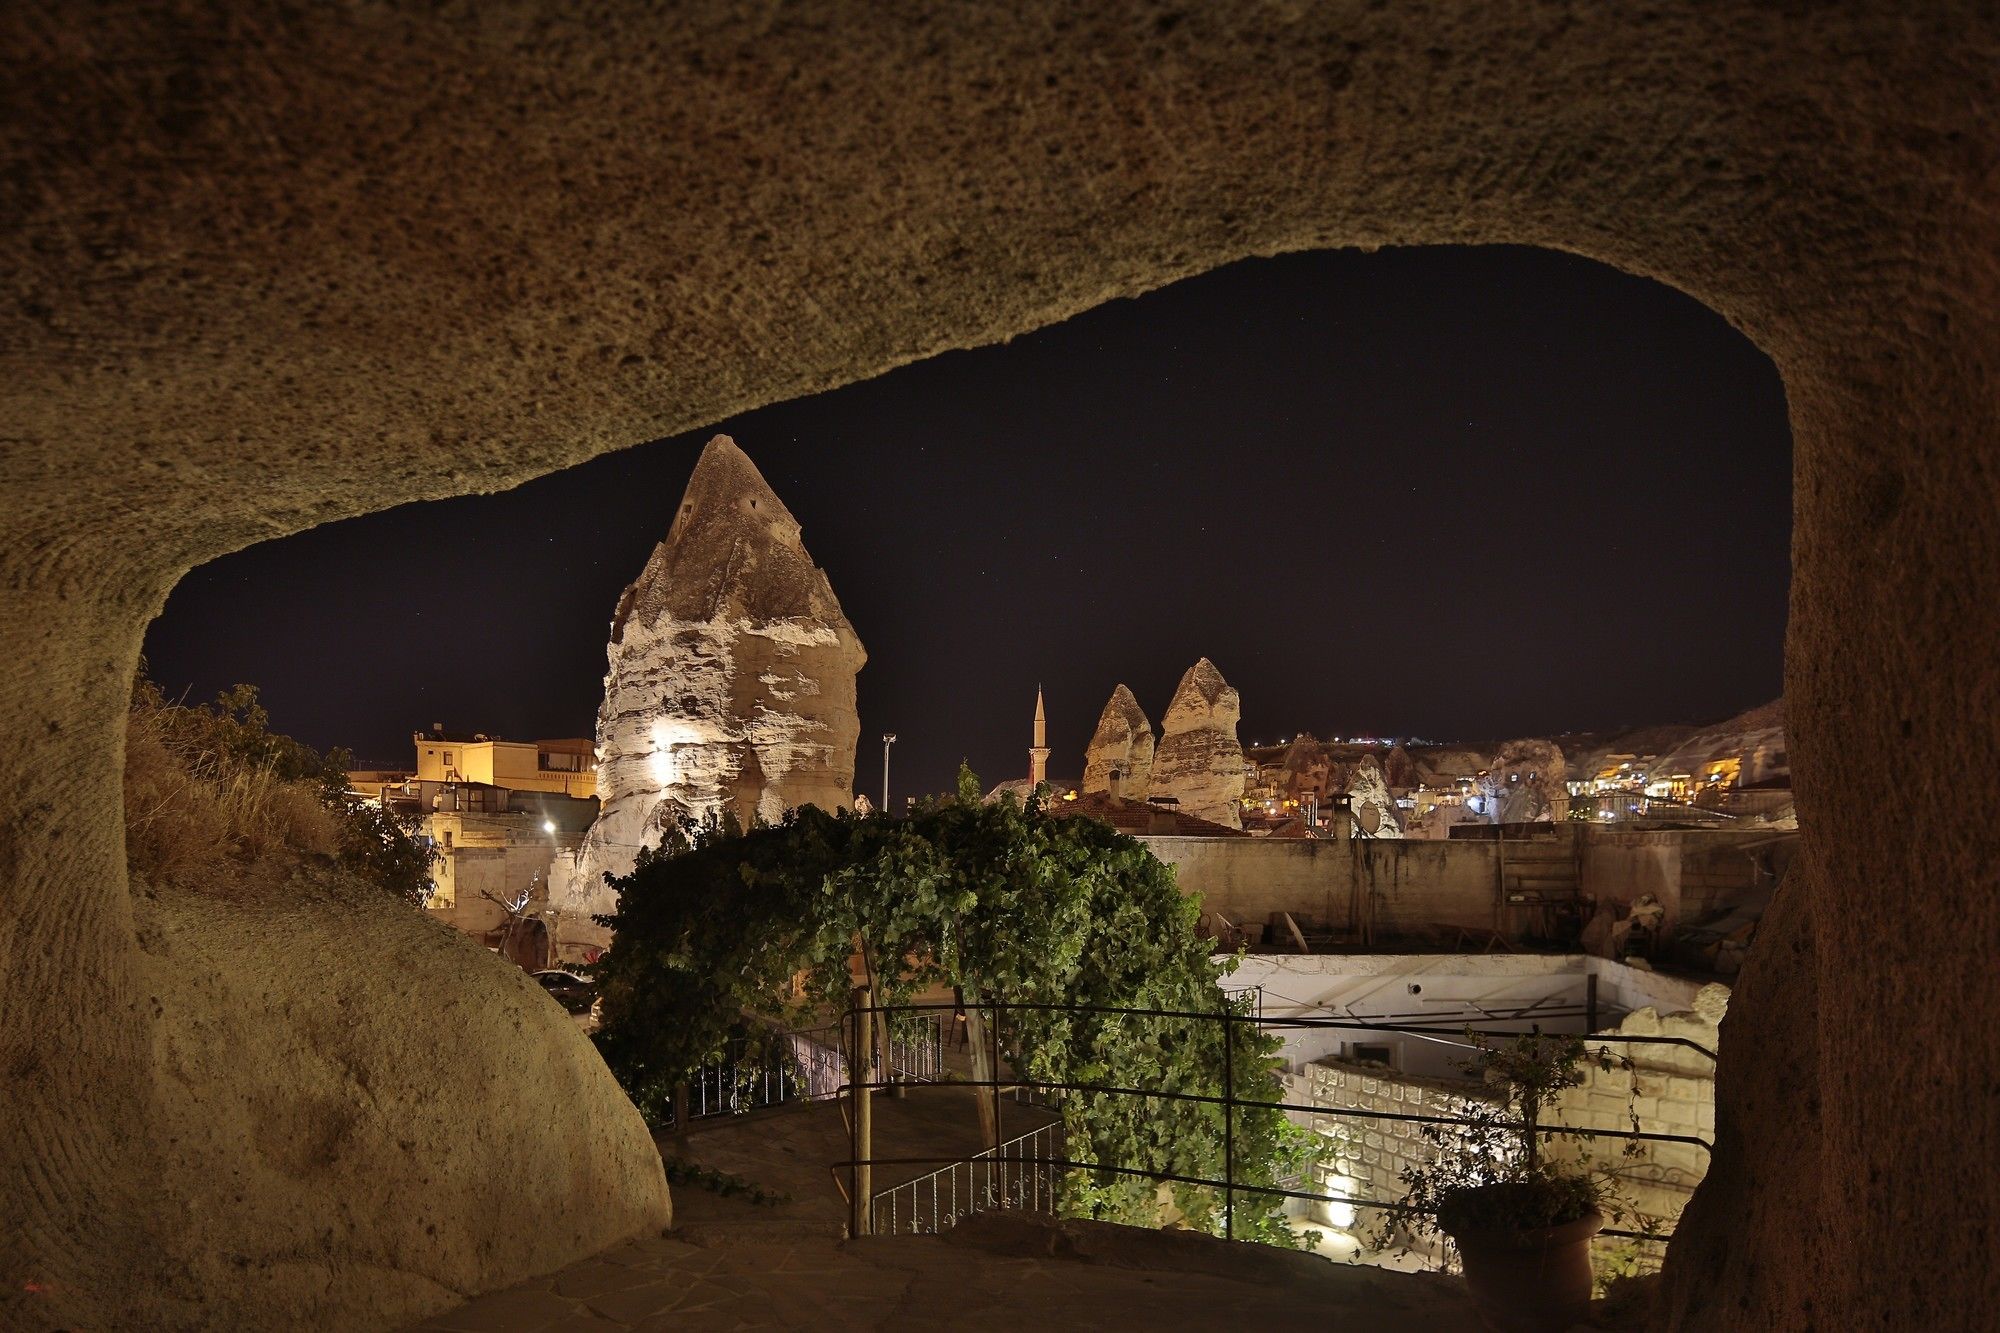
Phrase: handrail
(1229, 1101)
(1300, 1021)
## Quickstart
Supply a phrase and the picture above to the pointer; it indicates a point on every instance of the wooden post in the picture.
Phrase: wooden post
(873, 980)
(1228, 1121)
(681, 1112)
(861, 1072)
(983, 1071)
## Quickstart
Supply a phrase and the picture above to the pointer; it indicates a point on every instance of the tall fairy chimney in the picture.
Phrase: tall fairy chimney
(1038, 753)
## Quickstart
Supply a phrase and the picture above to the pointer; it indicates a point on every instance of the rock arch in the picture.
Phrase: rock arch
(266, 271)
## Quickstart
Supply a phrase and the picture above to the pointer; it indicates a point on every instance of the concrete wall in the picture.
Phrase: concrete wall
(1393, 887)
(1448, 991)
(1693, 872)
(1414, 887)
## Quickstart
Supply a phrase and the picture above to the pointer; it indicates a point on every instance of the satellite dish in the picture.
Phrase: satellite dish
(1369, 817)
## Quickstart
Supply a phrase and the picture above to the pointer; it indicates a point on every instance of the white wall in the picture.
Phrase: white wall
(1451, 991)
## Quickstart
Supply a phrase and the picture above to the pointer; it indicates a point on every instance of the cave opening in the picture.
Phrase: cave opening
(1424, 500)
(1447, 492)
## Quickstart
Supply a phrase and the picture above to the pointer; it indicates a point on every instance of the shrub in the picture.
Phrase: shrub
(211, 787)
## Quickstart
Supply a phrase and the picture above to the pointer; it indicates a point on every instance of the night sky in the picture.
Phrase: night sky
(1455, 493)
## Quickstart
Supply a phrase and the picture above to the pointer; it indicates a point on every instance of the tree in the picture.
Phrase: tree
(1001, 899)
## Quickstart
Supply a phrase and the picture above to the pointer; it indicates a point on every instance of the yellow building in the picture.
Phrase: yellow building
(565, 766)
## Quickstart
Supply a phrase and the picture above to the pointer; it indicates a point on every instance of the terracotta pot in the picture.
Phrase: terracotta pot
(1530, 1281)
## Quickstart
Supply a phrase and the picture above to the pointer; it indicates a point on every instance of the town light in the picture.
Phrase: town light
(548, 826)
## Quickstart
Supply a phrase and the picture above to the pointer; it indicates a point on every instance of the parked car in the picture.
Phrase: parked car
(571, 991)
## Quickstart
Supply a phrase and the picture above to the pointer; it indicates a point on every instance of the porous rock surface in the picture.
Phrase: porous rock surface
(352, 1145)
(1399, 770)
(1123, 742)
(730, 688)
(1375, 812)
(272, 267)
(1755, 738)
(1526, 782)
(1199, 761)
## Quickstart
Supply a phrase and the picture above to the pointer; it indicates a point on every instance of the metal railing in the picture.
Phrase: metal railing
(860, 1165)
(806, 1064)
(1021, 1173)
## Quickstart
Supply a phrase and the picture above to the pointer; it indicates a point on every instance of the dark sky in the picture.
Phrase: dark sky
(1456, 493)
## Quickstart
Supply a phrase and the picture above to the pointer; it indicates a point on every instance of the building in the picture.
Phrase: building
(495, 814)
(1038, 764)
(1373, 1039)
(567, 766)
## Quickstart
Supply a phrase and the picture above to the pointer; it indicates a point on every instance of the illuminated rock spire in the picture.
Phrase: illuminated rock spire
(730, 683)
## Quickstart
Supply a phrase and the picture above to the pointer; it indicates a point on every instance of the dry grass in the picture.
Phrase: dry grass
(190, 811)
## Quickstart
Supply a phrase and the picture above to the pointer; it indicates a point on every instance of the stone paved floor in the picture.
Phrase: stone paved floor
(929, 1282)
(729, 1264)
(789, 1151)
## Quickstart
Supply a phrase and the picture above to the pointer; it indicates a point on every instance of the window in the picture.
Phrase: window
(1372, 1053)
(447, 758)
(447, 839)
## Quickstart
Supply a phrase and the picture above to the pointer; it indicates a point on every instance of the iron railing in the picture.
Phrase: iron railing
(807, 1064)
(1021, 1173)
(861, 1019)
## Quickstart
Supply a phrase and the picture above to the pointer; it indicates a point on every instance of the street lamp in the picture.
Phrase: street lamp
(888, 739)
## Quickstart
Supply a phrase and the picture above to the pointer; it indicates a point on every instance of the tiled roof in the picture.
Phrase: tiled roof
(1141, 818)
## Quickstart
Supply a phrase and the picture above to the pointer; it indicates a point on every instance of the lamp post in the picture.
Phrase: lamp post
(888, 739)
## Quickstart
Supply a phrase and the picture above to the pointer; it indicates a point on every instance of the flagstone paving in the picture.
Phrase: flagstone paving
(731, 1264)
(925, 1282)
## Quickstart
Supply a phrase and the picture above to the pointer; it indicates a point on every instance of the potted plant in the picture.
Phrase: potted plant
(1521, 1223)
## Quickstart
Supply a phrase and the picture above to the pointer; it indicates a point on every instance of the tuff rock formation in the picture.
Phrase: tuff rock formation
(1199, 761)
(1755, 740)
(1525, 783)
(1123, 741)
(452, 1113)
(1307, 770)
(730, 690)
(1375, 813)
(1399, 770)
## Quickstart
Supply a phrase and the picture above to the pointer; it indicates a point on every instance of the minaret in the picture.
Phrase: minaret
(1038, 753)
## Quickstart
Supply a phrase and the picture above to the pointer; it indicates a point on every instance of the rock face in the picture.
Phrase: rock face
(1375, 813)
(1123, 742)
(730, 690)
(1199, 761)
(1308, 771)
(471, 1135)
(1399, 770)
(1525, 783)
(1755, 740)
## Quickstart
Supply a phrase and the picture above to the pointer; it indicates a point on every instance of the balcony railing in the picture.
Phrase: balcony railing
(1048, 1163)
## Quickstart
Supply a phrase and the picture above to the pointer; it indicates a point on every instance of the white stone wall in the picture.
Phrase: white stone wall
(1669, 1089)
(1364, 1158)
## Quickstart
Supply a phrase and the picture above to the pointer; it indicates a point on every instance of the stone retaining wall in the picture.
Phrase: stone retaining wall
(1667, 1090)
